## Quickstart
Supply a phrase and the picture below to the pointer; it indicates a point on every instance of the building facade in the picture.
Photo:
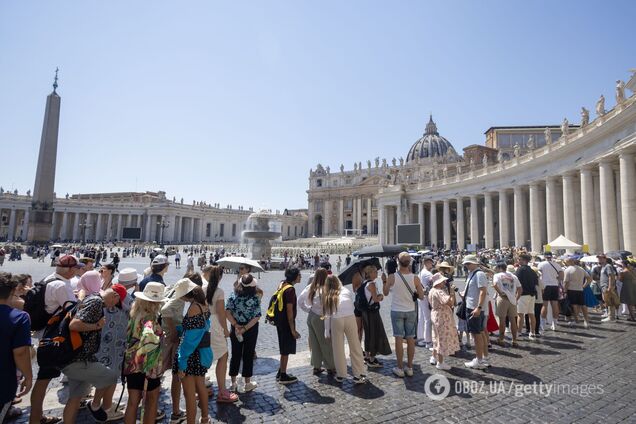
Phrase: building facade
(545, 181)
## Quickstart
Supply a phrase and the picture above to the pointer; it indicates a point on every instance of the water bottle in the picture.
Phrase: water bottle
(239, 337)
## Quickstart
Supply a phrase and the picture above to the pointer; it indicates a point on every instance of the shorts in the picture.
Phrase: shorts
(286, 342)
(475, 325)
(45, 373)
(550, 293)
(525, 304)
(357, 312)
(137, 380)
(83, 375)
(576, 297)
(505, 309)
(404, 324)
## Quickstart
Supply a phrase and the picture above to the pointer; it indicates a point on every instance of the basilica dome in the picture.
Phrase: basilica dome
(432, 146)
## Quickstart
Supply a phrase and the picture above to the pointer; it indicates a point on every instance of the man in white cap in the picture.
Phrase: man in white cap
(475, 296)
(158, 269)
(128, 278)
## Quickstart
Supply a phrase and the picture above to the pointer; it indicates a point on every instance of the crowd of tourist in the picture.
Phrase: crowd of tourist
(109, 322)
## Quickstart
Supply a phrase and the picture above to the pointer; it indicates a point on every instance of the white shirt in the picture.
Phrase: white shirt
(57, 293)
(508, 284)
(550, 273)
(401, 299)
(345, 308)
(305, 305)
(425, 277)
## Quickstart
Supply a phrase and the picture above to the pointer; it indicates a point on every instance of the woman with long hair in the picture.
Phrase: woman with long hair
(215, 298)
(375, 339)
(194, 356)
(340, 321)
(243, 310)
(142, 360)
(310, 301)
(107, 272)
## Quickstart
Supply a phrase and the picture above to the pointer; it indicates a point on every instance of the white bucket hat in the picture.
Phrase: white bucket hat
(128, 277)
(153, 292)
(183, 287)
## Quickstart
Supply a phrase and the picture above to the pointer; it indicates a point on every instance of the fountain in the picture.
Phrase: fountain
(261, 229)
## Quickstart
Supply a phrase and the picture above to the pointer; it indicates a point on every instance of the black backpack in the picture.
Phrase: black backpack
(59, 344)
(361, 303)
(35, 306)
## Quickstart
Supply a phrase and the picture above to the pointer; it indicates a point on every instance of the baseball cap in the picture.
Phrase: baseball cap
(67, 261)
(120, 290)
(160, 260)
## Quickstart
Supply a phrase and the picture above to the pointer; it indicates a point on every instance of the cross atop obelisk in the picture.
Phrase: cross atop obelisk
(41, 216)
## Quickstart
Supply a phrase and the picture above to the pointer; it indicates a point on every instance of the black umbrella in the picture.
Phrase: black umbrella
(380, 250)
(346, 276)
(618, 254)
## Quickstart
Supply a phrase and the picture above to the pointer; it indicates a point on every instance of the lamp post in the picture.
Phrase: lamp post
(84, 226)
(163, 224)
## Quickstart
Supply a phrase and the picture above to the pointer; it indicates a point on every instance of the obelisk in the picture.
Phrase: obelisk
(41, 216)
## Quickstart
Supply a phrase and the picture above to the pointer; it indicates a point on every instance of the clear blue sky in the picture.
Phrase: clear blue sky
(235, 101)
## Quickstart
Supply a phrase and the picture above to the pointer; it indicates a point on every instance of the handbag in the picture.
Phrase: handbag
(460, 309)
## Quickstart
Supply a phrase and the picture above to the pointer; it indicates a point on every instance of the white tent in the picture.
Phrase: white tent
(562, 243)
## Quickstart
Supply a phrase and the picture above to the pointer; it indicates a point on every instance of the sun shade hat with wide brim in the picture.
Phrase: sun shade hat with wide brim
(183, 287)
(471, 259)
(153, 292)
(438, 279)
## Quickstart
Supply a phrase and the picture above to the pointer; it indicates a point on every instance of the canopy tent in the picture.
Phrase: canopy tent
(562, 243)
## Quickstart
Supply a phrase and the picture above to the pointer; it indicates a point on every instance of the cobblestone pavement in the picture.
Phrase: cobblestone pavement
(592, 370)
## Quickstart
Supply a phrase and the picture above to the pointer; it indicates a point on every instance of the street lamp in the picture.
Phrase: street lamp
(84, 226)
(163, 224)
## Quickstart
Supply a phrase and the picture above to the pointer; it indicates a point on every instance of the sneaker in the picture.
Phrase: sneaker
(531, 336)
(475, 363)
(339, 379)
(443, 366)
(278, 375)
(421, 343)
(408, 371)
(99, 414)
(485, 362)
(432, 361)
(553, 326)
(359, 380)
(398, 371)
(287, 379)
(608, 319)
(234, 386)
(374, 363)
(586, 324)
(250, 386)
(114, 415)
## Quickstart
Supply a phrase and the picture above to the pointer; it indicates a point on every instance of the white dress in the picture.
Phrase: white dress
(218, 342)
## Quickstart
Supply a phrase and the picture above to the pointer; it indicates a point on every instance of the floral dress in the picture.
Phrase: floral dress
(113, 344)
(445, 340)
(143, 352)
(194, 355)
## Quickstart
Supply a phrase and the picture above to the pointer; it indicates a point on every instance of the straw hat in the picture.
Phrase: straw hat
(444, 265)
(438, 279)
(153, 292)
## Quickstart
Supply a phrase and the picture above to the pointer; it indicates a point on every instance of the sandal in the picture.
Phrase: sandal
(13, 413)
(318, 371)
(227, 397)
(206, 420)
(46, 419)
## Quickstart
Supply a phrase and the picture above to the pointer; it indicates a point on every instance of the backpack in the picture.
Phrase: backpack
(275, 309)
(35, 306)
(361, 303)
(59, 345)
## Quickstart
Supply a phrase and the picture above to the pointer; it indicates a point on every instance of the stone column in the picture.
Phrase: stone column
(147, 229)
(191, 230)
(326, 218)
(569, 208)
(488, 222)
(447, 225)
(551, 208)
(433, 224)
(64, 232)
(461, 230)
(588, 214)
(420, 220)
(354, 213)
(120, 227)
(12, 218)
(474, 221)
(504, 219)
(519, 216)
(628, 199)
(25, 224)
(536, 244)
(109, 227)
(369, 216)
(341, 217)
(98, 227)
(360, 213)
(381, 223)
(177, 229)
(76, 227)
(609, 219)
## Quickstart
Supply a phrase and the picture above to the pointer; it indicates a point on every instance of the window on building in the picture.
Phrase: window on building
(288, 231)
(349, 204)
(319, 182)
(233, 230)
(295, 231)
(221, 230)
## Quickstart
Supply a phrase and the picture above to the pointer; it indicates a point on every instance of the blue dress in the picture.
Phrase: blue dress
(590, 300)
